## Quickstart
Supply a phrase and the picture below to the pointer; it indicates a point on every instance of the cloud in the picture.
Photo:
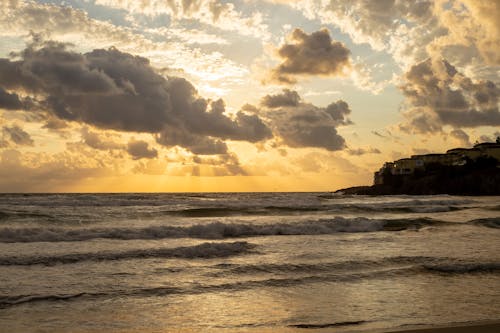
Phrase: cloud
(197, 144)
(18, 135)
(372, 21)
(463, 31)
(94, 140)
(299, 124)
(339, 111)
(487, 138)
(287, 98)
(461, 137)
(486, 14)
(379, 134)
(10, 101)
(437, 95)
(40, 173)
(473, 26)
(324, 162)
(321, 93)
(363, 151)
(420, 151)
(189, 36)
(216, 13)
(114, 90)
(140, 149)
(314, 54)
(154, 167)
(223, 165)
(67, 24)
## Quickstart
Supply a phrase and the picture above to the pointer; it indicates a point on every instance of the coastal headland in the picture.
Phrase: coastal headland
(459, 171)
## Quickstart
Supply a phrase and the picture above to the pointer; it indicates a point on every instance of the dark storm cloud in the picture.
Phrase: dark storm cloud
(314, 54)
(437, 95)
(10, 101)
(306, 125)
(115, 90)
(18, 135)
(140, 149)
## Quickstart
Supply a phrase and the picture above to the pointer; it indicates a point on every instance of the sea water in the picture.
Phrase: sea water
(246, 262)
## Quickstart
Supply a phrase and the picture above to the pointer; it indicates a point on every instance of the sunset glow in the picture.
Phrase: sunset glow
(250, 95)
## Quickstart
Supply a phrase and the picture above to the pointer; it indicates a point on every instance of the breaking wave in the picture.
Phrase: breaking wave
(214, 230)
(204, 251)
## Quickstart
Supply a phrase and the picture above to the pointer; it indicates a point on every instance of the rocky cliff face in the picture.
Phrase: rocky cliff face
(481, 177)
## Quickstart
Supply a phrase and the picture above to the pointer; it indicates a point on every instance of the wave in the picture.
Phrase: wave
(152, 206)
(7, 301)
(4, 215)
(386, 268)
(461, 268)
(305, 268)
(224, 211)
(315, 326)
(16, 300)
(215, 230)
(416, 264)
(415, 206)
(204, 251)
(492, 222)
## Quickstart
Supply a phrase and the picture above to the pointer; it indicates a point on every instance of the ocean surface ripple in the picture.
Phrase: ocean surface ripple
(246, 262)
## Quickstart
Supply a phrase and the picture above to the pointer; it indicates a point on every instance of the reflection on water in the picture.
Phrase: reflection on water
(322, 269)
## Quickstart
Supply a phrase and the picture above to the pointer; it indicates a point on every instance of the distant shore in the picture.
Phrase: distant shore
(443, 180)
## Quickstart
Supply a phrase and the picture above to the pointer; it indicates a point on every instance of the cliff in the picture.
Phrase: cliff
(480, 177)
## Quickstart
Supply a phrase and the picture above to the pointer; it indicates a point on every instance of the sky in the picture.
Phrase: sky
(248, 95)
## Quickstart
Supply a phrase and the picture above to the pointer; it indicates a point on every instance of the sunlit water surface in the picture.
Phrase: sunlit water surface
(275, 262)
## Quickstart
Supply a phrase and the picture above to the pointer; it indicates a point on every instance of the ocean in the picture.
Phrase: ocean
(246, 262)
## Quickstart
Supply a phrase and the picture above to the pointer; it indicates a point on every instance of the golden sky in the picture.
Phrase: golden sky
(250, 95)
